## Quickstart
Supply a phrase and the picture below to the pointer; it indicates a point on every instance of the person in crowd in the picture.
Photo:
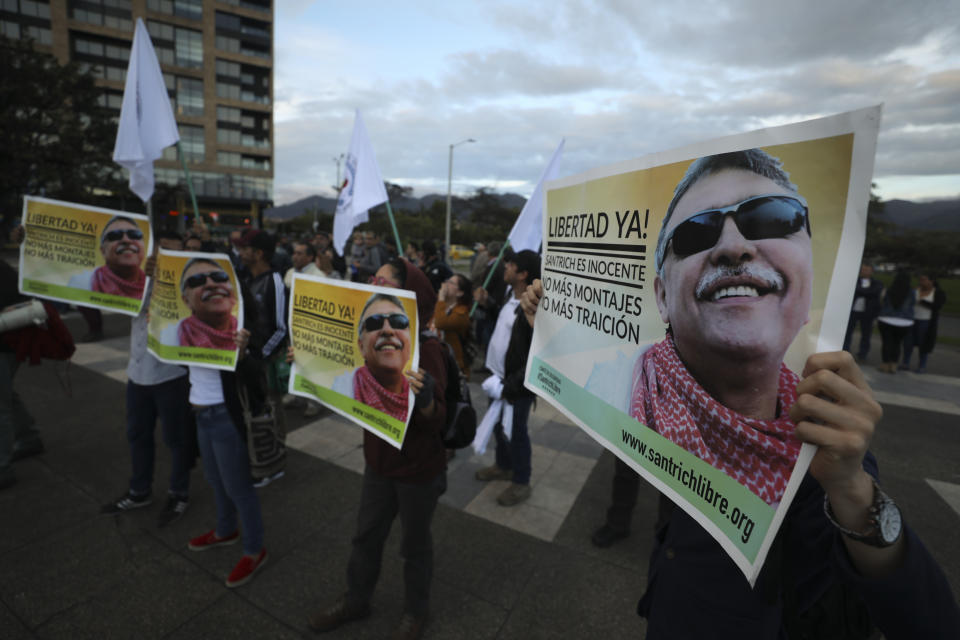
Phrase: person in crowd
(490, 293)
(281, 259)
(896, 319)
(866, 307)
(434, 266)
(413, 254)
(354, 255)
(452, 315)
(374, 256)
(325, 264)
(323, 244)
(266, 289)
(122, 247)
(304, 261)
(156, 390)
(193, 243)
(926, 315)
(507, 360)
(478, 262)
(407, 482)
(19, 437)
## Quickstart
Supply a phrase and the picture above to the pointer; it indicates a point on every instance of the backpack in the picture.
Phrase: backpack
(461, 427)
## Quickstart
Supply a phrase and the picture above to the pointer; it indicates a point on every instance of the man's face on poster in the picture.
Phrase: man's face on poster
(120, 251)
(203, 294)
(385, 349)
(747, 297)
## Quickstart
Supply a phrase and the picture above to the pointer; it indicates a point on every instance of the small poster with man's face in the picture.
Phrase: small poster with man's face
(195, 310)
(353, 345)
(682, 295)
(84, 255)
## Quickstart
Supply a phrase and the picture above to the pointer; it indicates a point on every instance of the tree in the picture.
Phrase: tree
(57, 138)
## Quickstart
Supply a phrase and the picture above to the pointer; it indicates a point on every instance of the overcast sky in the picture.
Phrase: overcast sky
(617, 78)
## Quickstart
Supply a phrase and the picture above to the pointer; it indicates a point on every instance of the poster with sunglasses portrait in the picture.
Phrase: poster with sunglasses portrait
(195, 310)
(82, 255)
(353, 345)
(682, 295)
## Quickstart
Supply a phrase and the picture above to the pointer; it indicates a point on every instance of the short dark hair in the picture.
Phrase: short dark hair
(755, 161)
(308, 247)
(103, 234)
(377, 297)
(168, 234)
(528, 261)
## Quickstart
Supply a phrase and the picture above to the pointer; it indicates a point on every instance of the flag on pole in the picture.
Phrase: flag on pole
(527, 231)
(147, 125)
(362, 186)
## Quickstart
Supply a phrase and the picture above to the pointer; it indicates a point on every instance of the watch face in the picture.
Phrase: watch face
(889, 522)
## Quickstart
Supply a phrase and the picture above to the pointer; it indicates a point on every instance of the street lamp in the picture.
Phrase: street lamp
(446, 243)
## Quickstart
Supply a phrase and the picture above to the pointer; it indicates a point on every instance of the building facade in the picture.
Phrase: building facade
(217, 62)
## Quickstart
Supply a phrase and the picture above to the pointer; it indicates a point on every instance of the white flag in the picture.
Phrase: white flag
(147, 125)
(527, 232)
(362, 187)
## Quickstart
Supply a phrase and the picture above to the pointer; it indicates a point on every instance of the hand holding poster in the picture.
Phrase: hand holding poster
(84, 255)
(700, 337)
(195, 310)
(353, 346)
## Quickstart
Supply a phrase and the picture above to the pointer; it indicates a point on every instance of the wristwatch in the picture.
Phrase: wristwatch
(886, 523)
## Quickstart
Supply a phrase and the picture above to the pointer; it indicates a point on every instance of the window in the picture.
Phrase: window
(255, 162)
(228, 114)
(228, 136)
(110, 13)
(229, 91)
(228, 69)
(228, 158)
(191, 9)
(189, 48)
(191, 141)
(189, 96)
(35, 9)
(10, 30)
(176, 45)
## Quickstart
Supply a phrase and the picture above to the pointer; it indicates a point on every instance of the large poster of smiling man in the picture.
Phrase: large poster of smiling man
(84, 255)
(682, 295)
(196, 310)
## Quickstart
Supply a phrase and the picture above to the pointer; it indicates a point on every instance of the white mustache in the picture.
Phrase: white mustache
(219, 291)
(769, 276)
(388, 340)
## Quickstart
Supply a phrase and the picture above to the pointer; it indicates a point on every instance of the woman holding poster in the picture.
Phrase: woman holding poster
(407, 481)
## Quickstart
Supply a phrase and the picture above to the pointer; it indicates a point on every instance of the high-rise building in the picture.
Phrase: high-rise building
(217, 62)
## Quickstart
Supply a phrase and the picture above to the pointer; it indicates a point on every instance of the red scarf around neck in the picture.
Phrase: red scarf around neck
(193, 332)
(106, 281)
(367, 390)
(759, 454)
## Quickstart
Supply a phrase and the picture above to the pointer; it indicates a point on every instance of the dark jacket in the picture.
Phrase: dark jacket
(515, 361)
(694, 590)
(930, 338)
(871, 295)
(422, 456)
(250, 371)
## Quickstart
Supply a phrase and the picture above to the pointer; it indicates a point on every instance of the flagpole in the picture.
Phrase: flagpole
(193, 197)
(490, 273)
(393, 223)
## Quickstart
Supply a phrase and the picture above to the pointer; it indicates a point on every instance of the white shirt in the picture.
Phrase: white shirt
(500, 340)
(860, 302)
(205, 386)
(143, 368)
(311, 269)
(921, 312)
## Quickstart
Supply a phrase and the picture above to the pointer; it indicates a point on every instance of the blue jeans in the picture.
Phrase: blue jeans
(514, 454)
(16, 424)
(170, 402)
(227, 469)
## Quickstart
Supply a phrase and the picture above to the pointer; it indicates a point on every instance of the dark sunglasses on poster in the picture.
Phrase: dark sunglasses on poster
(758, 218)
(117, 234)
(200, 279)
(373, 323)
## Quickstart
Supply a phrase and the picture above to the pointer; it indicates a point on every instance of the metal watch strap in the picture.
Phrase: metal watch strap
(873, 536)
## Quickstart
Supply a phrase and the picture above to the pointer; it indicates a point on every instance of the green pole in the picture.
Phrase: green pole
(490, 273)
(393, 223)
(186, 172)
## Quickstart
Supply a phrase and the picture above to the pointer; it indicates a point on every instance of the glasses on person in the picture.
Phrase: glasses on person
(200, 279)
(758, 218)
(397, 321)
(117, 234)
(380, 281)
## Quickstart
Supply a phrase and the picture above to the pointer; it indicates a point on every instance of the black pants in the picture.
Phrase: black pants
(891, 337)
(626, 483)
(380, 501)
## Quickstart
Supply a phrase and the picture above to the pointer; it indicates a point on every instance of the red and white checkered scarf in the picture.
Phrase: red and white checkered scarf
(106, 281)
(367, 390)
(194, 332)
(759, 454)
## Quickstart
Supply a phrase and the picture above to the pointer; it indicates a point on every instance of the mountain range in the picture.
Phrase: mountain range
(935, 215)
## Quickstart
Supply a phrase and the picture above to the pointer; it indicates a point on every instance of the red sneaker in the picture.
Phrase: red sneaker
(209, 540)
(245, 569)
